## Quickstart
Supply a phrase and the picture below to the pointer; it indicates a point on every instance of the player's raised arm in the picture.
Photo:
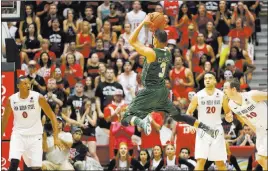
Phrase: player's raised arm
(258, 96)
(192, 106)
(139, 47)
(227, 111)
(6, 115)
(48, 111)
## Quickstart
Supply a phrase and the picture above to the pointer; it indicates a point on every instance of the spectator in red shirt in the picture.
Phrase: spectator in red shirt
(112, 114)
(148, 142)
(181, 78)
(171, 8)
(45, 48)
(112, 111)
(71, 71)
(85, 40)
(46, 67)
(197, 51)
(170, 30)
(239, 32)
(188, 39)
(183, 19)
(248, 19)
(71, 48)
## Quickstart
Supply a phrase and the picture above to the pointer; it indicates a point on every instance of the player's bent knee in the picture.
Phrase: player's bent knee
(14, 164)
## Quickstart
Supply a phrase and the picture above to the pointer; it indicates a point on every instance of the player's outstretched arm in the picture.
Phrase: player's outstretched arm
(227, 111)
(139, 47)
(48, 111)
(258, 96)
(192, 106)
(6, 115)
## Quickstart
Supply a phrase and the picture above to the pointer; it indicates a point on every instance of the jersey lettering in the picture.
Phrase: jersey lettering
(251, 115)
(211, 110)
(163, 66)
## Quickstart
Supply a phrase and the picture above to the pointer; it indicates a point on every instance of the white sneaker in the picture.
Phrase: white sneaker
(146, 125)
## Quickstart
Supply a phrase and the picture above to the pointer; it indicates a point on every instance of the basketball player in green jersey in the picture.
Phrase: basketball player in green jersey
(154, 96)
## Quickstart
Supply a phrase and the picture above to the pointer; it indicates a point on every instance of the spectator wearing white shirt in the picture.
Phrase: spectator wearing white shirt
(57, 159)
(134, 18)
(128, 80)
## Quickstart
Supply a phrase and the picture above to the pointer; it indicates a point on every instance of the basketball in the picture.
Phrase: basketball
(158, 21)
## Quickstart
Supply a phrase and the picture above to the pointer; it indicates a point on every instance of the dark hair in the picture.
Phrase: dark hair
(116, 69)
(211, 72)
(32, 14)
(21, 78)
(181, 13)
(88, 6)
(161, 36)
(146, 151)
(49, 62)
(35, 31)
(67, 64)
(238, 10)
(162, 153)
(55, 19)
(200, 60)
(184, 148)
(86, 87)
(202, 4)
(234, 83)
(237, 51)
(226, 8)
(109, 68)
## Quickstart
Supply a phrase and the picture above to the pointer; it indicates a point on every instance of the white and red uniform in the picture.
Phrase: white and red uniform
(256, 114)
(209, 112)
(26, 138)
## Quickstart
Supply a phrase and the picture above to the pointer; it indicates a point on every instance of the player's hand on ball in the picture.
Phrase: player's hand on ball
(147, 20)
(192, 129)
(229, 117)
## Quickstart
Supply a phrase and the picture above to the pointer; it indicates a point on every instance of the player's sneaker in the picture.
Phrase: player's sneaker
(146, 125)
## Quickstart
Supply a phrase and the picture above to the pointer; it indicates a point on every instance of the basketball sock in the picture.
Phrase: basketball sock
(14, 164)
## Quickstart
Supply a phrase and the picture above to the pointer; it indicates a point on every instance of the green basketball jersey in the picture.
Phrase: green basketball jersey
(154, 74)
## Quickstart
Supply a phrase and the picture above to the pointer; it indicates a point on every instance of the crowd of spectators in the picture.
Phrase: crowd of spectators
(78, 56)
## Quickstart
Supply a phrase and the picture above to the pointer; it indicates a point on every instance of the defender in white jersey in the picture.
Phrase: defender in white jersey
(251, 108)
(26, 138)
(209, 103)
